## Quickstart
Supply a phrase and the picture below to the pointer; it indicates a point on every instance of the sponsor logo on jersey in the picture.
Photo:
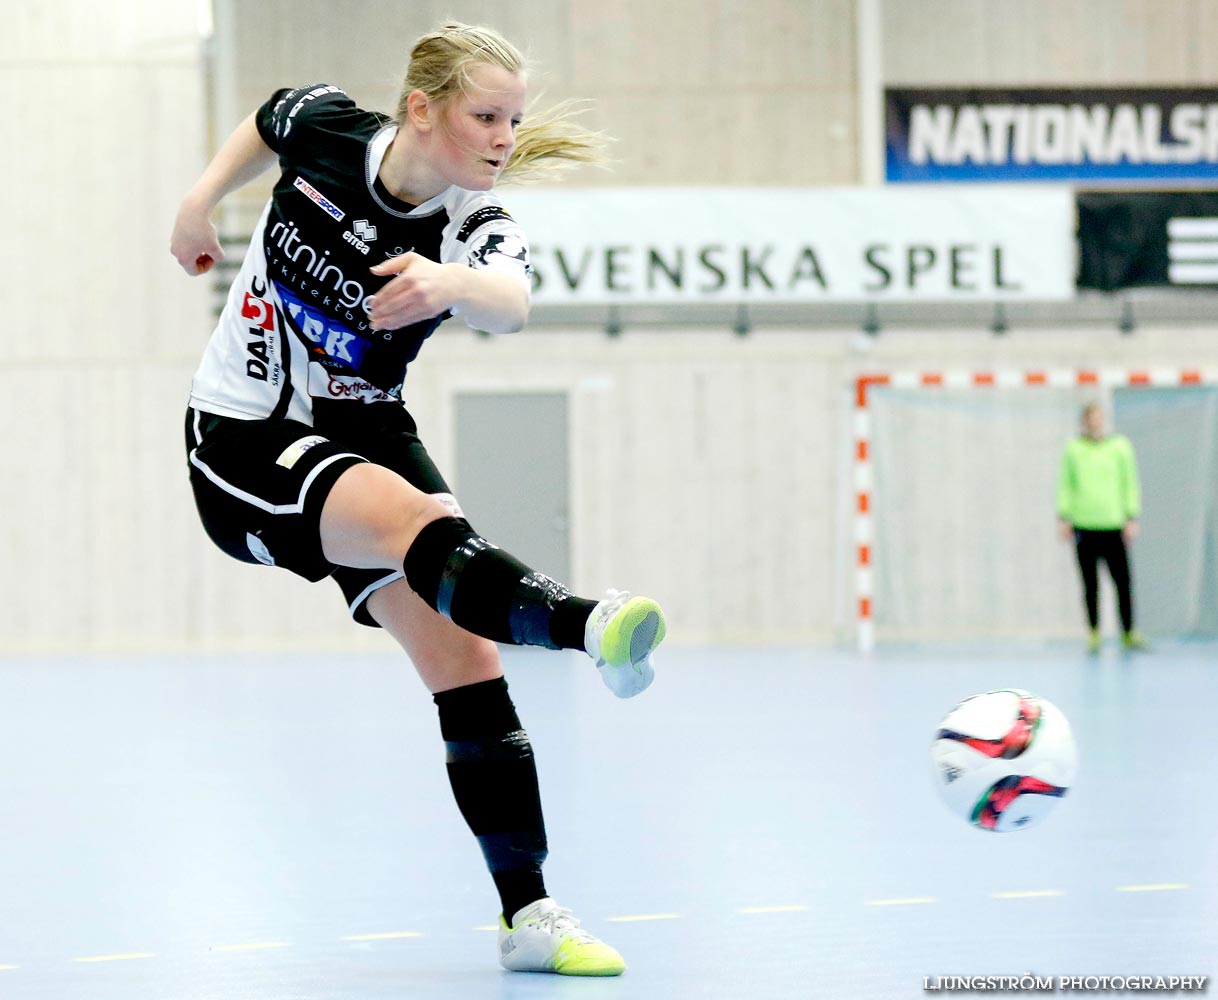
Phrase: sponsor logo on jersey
(327, 385)
(260, 364)
(313, 264)
(330, 337)
(361, 233)
(356, 242)
(293, 452)
(259, 550)
(512, 247)
(319, 199)
(259, 311)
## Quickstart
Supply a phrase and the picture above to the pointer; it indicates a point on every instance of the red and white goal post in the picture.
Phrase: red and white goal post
(864, 479)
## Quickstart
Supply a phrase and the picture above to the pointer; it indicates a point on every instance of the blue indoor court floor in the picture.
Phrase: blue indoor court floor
(760, 823)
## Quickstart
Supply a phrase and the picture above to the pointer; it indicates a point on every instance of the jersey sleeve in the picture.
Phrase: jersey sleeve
(488, 238)
(292, 115)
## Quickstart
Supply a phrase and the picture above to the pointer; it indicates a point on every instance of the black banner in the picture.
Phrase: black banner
(1095, 135)
(1147, 239)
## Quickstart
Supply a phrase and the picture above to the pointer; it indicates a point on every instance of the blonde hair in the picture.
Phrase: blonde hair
(440, 63)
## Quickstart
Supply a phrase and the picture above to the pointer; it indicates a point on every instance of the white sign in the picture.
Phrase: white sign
(797, 244)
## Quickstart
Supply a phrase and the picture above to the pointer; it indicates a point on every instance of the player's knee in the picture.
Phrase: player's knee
(482, 659)
(421, 510)
(470, 660)
(402, 515)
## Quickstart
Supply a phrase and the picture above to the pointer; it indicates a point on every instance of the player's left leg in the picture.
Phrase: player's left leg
(493, 776)
(373, 517)
(1117, 558)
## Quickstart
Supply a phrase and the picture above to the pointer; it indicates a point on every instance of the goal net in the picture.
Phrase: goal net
(956, 481)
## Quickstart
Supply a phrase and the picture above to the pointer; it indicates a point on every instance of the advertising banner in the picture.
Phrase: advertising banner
(1040, 134)
(744, 245)
(1136, 239)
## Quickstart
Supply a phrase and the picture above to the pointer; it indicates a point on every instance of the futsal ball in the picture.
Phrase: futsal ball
(1004, 759)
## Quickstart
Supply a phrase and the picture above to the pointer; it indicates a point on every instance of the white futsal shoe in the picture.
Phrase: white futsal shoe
(545, 937)
(621, 634)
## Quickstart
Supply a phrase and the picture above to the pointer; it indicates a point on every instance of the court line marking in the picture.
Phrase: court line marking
(910, 901)
(791, 908)
(128, 957)
(644, 916)
(384, 936)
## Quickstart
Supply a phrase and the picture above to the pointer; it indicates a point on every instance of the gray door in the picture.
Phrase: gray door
(512, 474)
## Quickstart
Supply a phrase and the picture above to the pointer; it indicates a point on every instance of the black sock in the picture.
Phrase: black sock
(494, 780)
(491, 593)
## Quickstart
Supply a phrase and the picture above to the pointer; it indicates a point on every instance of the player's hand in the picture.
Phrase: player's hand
(195, 245)
(1065, 529)
(1130, 531)
(421, 289)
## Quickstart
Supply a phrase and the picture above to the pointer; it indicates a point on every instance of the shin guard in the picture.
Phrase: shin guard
(489, 592)
(494, 780)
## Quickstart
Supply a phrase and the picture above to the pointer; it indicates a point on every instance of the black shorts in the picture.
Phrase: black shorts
(259, 485)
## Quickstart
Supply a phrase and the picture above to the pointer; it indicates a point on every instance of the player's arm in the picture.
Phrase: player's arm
(1130, 487)
(1065, 481)
(487, 300)
(1131, 492)
(244, 155)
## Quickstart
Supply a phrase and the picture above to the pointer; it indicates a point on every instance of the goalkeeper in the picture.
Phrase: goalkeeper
(1098, 503)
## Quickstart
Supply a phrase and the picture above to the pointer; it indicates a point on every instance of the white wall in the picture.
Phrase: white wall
(756, 92)
(103, 105)
(1050, 42)
(709, 469)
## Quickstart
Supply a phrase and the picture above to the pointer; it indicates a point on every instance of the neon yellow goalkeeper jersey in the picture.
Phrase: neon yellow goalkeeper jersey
(1098, 487)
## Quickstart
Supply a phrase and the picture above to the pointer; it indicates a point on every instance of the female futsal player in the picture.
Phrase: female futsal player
(301, 454)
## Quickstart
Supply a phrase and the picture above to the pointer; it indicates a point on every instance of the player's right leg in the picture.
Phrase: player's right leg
(1117, 558)
(1088, 565)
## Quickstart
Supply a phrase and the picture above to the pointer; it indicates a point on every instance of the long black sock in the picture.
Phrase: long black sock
(490, 592)
(494, 780)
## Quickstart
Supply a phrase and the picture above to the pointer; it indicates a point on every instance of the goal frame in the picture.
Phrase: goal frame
(863, 486)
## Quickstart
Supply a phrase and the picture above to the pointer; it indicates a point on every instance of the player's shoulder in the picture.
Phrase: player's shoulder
(317, 107)
(473, 211)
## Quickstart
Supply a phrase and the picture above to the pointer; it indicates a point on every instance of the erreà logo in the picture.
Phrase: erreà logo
(319, 199)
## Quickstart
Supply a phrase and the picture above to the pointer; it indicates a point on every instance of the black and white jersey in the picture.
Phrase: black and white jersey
(295, 325)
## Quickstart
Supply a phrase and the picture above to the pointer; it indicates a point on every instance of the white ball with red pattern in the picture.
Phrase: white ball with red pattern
(1004, 759)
